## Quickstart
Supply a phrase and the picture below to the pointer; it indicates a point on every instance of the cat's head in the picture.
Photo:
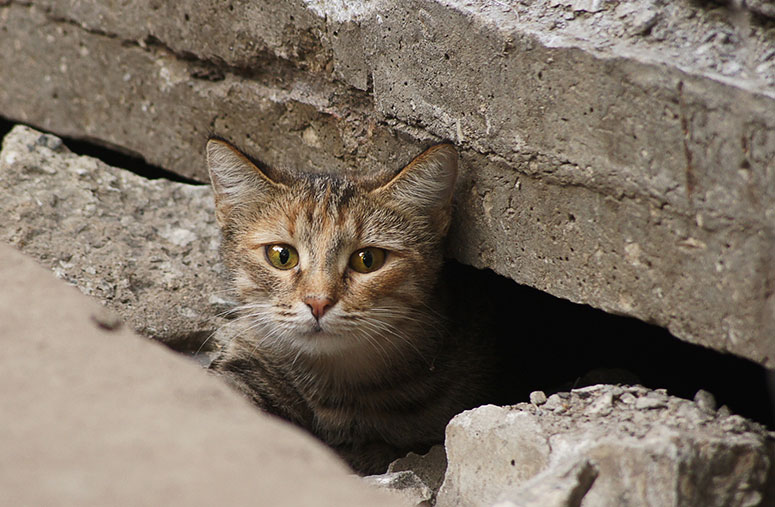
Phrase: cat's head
(324, 263)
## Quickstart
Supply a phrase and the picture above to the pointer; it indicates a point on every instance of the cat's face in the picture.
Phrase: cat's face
(324, 264)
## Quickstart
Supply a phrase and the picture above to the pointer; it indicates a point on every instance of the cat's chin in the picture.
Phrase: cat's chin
(323, 343)
(325, 338)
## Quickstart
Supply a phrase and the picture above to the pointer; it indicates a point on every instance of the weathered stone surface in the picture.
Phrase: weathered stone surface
(620, 154)
(648, 448)
(148, 249)
(762, 7)
(554, 487)
(93, 417)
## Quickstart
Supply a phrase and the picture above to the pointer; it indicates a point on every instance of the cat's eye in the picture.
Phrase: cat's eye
(367, 260)
(282, 256)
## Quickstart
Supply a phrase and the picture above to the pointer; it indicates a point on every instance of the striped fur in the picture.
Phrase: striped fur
(379, 373)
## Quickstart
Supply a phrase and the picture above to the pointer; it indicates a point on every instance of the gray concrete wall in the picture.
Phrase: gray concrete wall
(619, 154)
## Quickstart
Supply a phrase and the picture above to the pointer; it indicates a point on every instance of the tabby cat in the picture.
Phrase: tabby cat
(343, 327)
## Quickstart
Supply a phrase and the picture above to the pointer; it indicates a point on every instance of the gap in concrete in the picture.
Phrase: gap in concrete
(551, 344)
(111, 155)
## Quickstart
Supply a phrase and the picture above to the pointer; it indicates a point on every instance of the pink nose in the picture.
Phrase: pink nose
(318, 305)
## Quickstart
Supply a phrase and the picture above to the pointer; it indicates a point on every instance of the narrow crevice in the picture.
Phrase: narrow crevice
(551, 344)
(112, 155)
(116, 157)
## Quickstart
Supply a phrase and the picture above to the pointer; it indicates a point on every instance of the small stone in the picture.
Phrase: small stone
(603, 405)
(650, 402)
(537, 397)
(643, 22)
(705, 401)
(723, 412)
(691, 413)
(51, 142)
(554, 402)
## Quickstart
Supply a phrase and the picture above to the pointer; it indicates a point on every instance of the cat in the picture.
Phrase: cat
(343, 326)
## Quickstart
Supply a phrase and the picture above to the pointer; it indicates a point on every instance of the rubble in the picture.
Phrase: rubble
(605, 442)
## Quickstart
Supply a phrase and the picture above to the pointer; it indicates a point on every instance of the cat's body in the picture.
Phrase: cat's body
(343, 327)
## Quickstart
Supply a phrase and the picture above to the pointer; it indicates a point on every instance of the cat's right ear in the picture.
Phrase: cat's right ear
(236, 180)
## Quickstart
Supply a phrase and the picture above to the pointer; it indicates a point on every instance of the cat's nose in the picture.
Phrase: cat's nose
(318, 305)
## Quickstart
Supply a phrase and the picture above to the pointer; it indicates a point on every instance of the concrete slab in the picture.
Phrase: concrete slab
(95, 415)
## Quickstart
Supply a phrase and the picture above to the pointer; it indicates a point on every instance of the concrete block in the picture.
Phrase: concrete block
(95, 415)
(607, 444)
(618, 154)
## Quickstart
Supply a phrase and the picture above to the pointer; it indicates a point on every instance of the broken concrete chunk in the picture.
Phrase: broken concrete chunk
(148, 249)
(662, 451)
(489, 450)
(415, 478)
(404, 485)
(429, 467)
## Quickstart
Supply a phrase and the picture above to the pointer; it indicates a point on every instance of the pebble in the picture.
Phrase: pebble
(602, 405)
(705, 401)
(537, 397)
(554, 402)
(650, 402)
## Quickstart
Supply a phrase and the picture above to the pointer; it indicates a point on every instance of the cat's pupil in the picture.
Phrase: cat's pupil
(285, 254)
(368, 259)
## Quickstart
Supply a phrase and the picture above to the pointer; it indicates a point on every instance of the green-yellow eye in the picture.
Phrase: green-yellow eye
(367, 260)
(282, 256)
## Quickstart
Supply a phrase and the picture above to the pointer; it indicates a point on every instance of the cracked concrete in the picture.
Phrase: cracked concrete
(619, 154)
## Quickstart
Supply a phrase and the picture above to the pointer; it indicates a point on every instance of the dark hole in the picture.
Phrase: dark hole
(551, 344)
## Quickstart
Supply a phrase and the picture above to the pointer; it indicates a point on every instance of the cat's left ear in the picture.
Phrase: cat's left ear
(427, 182)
